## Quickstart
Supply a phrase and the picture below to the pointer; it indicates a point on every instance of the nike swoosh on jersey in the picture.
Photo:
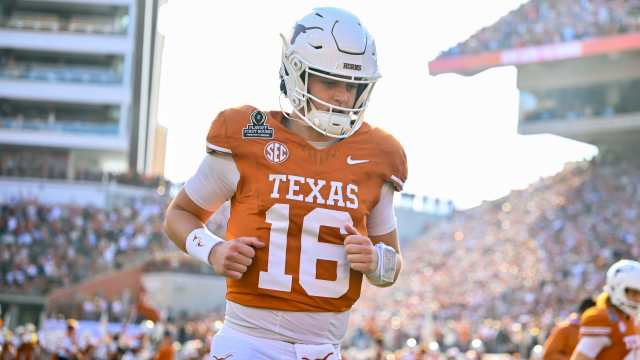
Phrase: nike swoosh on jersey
(351, 161)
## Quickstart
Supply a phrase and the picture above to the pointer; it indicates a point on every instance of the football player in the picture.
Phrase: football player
(311, 194)
(564, 337)
(607, 330)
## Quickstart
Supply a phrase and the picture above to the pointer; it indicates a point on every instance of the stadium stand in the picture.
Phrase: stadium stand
(541, 22)
(82, 23)
(28, 163)
(493, 279)
(512, 267)
(601, 100)
(497, 277)
(48, 246)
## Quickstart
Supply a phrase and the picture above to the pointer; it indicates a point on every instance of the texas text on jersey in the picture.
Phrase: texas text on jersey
(297, 199)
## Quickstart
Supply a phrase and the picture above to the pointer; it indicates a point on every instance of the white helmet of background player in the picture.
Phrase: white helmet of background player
(623, 275)
(329, 43)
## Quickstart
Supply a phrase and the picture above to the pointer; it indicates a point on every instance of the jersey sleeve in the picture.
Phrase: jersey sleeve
(555, 348)
(595, 323)
(225, 132)
(396, 167)
(218, 138)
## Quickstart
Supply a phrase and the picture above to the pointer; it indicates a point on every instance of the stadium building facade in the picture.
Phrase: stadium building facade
(587, 89)
(78, 101)
(77, 98)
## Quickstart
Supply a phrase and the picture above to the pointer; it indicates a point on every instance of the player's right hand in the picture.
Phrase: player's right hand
(232, 258)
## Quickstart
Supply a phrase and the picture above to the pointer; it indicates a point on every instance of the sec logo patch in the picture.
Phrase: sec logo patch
(276, 152)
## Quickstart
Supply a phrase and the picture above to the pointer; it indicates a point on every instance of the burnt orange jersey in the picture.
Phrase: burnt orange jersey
(563, 340)
(297, 199)
(606, 320)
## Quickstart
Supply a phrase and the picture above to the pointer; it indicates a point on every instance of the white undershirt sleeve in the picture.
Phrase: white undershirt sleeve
(214, 182)
(382, 219)
(592, 345)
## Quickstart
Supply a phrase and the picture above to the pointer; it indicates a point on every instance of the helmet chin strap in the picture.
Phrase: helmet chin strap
(333, 121)
(291, 115)
(329, 122)
(336, 122)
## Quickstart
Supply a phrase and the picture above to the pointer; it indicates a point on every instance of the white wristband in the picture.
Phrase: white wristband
(200, 242)
(386, 271)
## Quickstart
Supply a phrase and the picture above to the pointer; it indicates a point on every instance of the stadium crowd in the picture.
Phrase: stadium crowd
(54, 165)
(600, 100)
(492, 279)
(45, 246)
(542, 22)
(506, 271)
(77, 340)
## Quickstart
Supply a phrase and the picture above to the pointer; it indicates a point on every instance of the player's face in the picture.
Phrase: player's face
(633, 295)
(334, 92)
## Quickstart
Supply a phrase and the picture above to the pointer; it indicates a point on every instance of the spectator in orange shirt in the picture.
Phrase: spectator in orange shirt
(28, 350)
(564, 337)
(8, 349)
(165, 351)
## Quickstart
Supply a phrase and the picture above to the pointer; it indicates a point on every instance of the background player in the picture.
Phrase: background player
(564, 337)
(608, 331)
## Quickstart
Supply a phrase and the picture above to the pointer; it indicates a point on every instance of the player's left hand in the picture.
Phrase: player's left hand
(361, 254)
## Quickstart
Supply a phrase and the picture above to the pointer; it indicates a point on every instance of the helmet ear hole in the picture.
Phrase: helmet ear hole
(296, 64)
(283, 87)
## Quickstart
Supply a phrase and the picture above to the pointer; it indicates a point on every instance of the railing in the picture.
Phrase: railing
(45, 72)
(79, 24)
(106, 191)
(66, 126)
(536, 116)
(473, 63)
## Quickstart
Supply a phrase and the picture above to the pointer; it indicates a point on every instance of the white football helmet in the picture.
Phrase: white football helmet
(330, 43)
(623, 275)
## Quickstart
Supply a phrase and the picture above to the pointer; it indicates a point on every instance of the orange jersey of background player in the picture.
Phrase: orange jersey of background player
(297, 199)
(608, 321)
(563, 340)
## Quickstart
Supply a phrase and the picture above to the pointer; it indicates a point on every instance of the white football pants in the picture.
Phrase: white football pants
(230, 344)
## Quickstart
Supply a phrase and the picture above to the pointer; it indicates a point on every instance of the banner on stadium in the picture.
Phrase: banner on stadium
(473, 64)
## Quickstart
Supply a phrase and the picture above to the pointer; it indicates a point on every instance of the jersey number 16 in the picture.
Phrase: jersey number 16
(311, 249)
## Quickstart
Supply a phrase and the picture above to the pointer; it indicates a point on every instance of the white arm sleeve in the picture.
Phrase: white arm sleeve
(214, 183)
(592, 345)
(382, 219)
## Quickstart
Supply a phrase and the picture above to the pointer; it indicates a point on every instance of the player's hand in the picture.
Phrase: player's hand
(361, 254)
(232, 258)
